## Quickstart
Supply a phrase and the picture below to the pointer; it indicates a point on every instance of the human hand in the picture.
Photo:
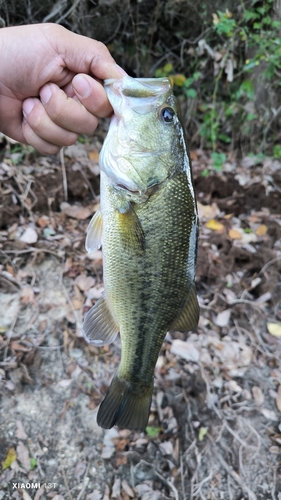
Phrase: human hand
(51, 85)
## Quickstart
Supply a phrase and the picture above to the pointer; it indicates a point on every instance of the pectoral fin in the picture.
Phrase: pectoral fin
(190, 314)
(94, 233)
(130, 230)
(99, 327)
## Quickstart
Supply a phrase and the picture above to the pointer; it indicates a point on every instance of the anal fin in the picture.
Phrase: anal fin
(189, 316)
(94, 233)
(99, 327)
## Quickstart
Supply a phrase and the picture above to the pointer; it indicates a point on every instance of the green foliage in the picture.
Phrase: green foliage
(152, 431)
(277, 151)
(235, 45)
(216, 58)
(179, 80)
(218, 160)
(19, 152)
(202, 433)
(33, 463)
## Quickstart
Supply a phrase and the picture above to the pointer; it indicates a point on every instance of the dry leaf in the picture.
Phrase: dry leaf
(84, 282)
(261, 230)
(29, 236)
(95, 292)
(233, 386)
(107, 452)
(74, 211)
(43, 221)
(269, 414)
(258, 395)
(20, 432)
(255, 282)
(193, 155)
(77, 304)
(27, 295)
(109, 435)
(65, 382)
(275, 450)
(214, 225)
(274, 329)
(185, 350)
(121, 459)
(25, 495)
(278, 399)
(23, 456)
(93, 156)
(79, 470)
(207, 211)
(116, 488)
(18, 347)
(39, 493)
(10, 458)
(234, 234)
(264, 298)
(127, 488)
(166, 447)
(95, 495)
(223, 318)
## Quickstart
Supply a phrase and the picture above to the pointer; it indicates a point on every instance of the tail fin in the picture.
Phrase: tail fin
(124, 407)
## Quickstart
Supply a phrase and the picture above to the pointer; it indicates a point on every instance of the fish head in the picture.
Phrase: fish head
(145, 140)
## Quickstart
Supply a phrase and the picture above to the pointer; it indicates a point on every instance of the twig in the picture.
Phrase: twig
(57, 8)
(269, 264)
(69, 11)
(274, 484)
(182, 477)
(199, 486)
(39, 467)
(85, 483)
(165, 481)
(64, 178)
(74, 312)
(66, 483)
(81, 170)
(254, 431)
(277, 112)
(37, 250)
(232, 473)
(228, 487)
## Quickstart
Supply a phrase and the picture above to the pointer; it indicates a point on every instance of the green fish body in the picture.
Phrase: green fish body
(147, 226)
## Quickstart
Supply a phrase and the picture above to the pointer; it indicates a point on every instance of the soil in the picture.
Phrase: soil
(215, 424)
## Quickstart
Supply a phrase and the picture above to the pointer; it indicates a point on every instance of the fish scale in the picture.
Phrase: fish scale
(148, 230)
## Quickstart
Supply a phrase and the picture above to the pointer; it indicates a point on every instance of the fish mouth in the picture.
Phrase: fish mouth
(139, 87)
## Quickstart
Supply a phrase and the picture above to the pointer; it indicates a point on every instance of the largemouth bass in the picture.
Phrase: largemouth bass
(148, 227)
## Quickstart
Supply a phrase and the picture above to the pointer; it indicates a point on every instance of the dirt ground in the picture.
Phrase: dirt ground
(215, 424)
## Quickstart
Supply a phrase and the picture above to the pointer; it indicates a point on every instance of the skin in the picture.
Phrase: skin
(51, 85)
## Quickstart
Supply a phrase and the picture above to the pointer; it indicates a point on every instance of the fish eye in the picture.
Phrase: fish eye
(167, 114)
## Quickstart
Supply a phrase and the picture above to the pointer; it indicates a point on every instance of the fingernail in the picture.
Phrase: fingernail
(81, 86)
(27, 106)
(46, 94)
(121, 70)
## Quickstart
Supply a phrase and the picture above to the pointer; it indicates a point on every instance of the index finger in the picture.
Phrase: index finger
(85, 55)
